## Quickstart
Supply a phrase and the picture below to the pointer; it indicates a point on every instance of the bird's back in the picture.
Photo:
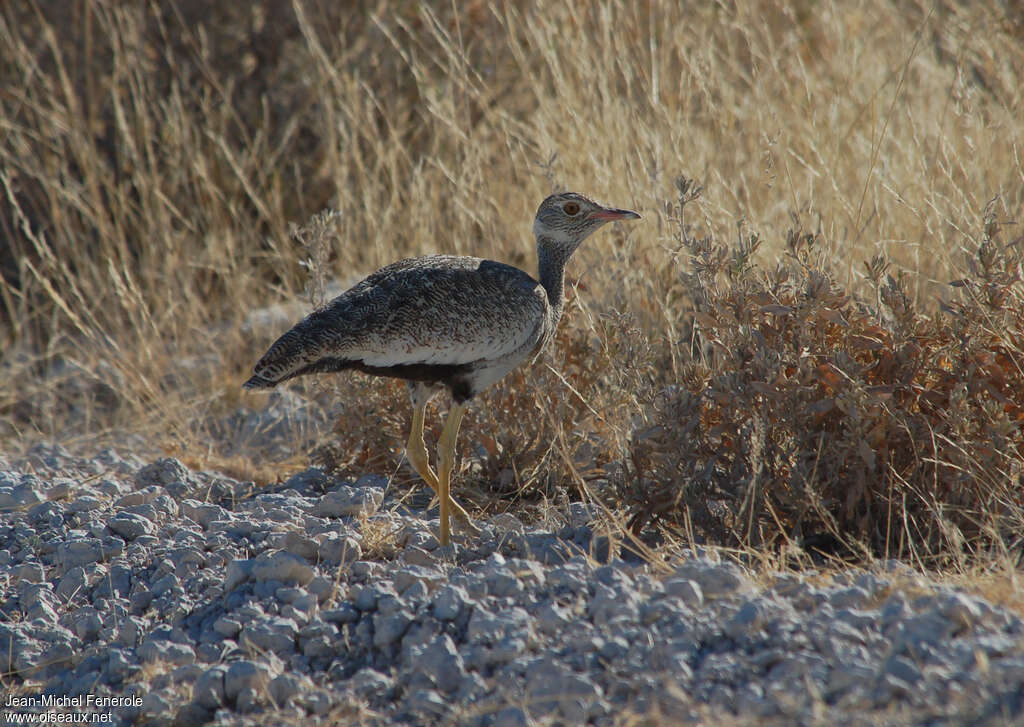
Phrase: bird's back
(439, 310)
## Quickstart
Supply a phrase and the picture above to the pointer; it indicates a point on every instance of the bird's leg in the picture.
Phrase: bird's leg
(445, 462)
(416, 451)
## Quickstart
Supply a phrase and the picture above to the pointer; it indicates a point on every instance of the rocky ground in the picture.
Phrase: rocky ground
(330, 602)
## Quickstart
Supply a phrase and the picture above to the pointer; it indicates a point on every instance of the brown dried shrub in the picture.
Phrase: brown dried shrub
(814, 414)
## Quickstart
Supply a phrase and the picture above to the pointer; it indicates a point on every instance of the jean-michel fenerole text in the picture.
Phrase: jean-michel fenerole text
(81, 701)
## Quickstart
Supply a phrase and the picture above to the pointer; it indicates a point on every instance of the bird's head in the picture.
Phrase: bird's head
(566, 219)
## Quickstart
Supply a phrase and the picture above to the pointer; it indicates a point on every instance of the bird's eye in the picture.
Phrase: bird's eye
(571, 208)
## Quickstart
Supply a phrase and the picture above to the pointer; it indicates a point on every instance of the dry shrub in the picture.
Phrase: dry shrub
(813, 413)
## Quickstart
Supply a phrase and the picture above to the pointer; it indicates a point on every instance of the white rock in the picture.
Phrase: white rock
(246, 674)
(349, 501)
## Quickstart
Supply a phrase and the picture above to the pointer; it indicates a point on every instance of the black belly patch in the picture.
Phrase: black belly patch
(455, 376)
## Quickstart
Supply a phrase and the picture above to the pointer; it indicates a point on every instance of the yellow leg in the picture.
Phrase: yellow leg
(445, 462)
(416, 451)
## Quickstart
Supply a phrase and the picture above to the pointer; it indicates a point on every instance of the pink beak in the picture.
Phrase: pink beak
(607, 213)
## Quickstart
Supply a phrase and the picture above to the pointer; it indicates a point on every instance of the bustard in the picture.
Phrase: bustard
(442, 321)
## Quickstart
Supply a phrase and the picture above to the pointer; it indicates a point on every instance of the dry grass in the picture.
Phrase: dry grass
(156, 158)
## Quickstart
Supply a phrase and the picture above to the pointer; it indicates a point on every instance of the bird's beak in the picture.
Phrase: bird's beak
(607, 213)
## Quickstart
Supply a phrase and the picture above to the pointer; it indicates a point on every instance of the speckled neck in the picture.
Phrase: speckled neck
(551, 259)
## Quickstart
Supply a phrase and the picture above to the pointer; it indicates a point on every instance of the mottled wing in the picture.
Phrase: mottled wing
(437, 310)
(476, 310)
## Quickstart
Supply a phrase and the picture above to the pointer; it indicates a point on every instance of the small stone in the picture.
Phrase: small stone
(416, 592)
(506, 522)
(551, 619)
(371, 685)
(714, 579)
(238, 572)
(365, 598)
(442, 663)
(686, 590)
(405, 577)
(491, 628)
(350, 502)
(552, 686)
(610, 604)
(502, 583)
(142, 496)
(163, 472)
(567, 578)
(208, 690)
(18, 497)
(168, 584)
(337, 549)
(414, 555)
(283, 567)
(961, 610)
(318, 639)
(33, 573)
(204, 513)
(903, 669)
(85, 503)
(166, 651)
(243, 675)
(853, 597)
(71, 553)
(388, 603)
(449, 602)
(345, 613)
(155, 706)
(389, 628)
(276, 634)
(322, 588)
(427, 702)
(285, 688)
(747, 621)
(86, 624)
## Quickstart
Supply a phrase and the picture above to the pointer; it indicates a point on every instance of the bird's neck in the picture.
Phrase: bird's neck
(551, 269)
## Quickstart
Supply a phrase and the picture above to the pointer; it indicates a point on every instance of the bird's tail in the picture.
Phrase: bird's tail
(297, 352)
(259, 382)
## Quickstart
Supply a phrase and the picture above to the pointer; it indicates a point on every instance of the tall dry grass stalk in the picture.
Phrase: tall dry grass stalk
(154, 157)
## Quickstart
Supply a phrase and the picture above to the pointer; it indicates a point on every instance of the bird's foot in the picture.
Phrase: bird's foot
(416, 451)
(463, 521)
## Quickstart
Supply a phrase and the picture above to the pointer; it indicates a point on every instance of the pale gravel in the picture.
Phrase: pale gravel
(218, 604)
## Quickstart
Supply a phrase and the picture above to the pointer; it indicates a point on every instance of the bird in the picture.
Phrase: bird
(441, 322)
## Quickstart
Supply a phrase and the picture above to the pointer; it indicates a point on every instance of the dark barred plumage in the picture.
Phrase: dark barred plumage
(435, 319)
(442, 321)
